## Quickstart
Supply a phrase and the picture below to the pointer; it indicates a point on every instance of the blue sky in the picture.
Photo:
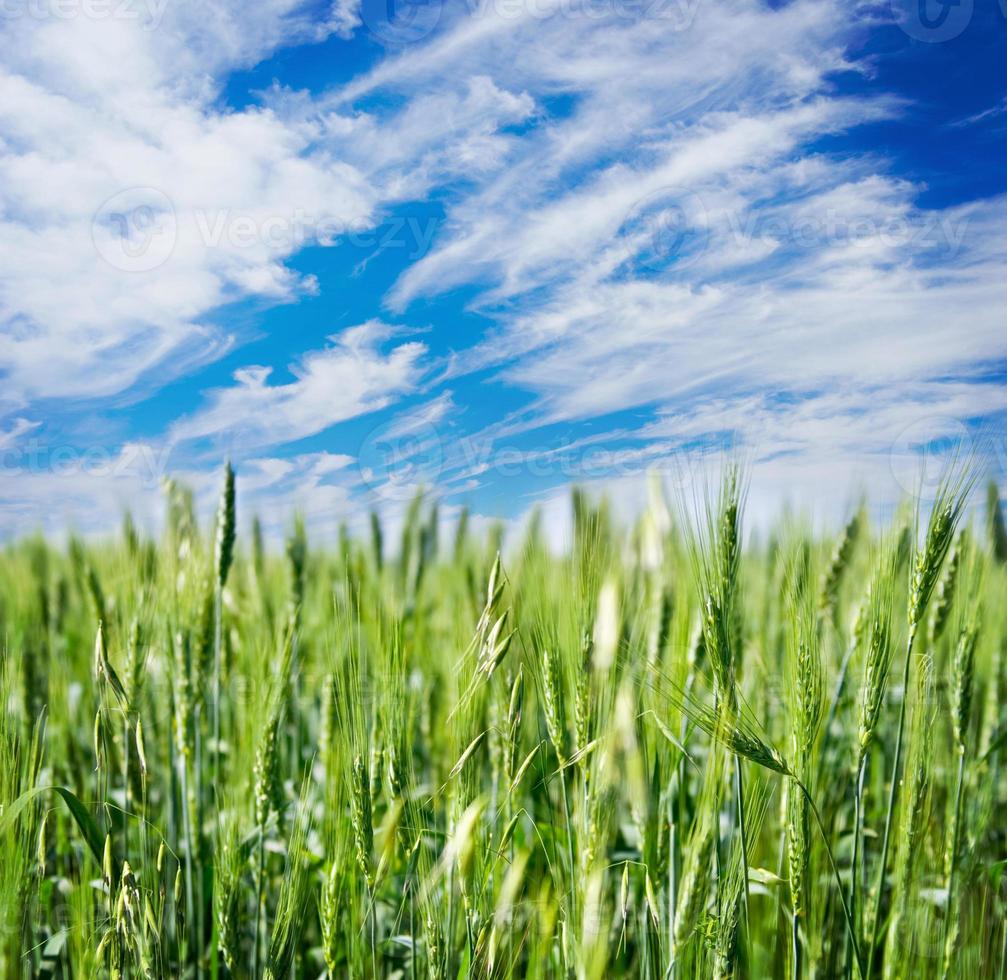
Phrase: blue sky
(493, 248)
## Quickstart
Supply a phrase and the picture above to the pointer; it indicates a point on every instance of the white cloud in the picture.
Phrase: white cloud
(132, 205)
(10, 437)
(86, 489)
(640, 203)
(430, 413)
(349, 378)
(998, 109)
(652, 106)
(828, 316)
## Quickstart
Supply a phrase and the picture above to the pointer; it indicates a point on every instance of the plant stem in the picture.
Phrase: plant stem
(569, 843)
(217, 643)
(955, 843)
(260, 875)
(837, 691)
(740, 790)
(858, 819)
(374, 932)
(835, 872)
(795, 946)
(187, 830)
(198, 839)
(893, 792)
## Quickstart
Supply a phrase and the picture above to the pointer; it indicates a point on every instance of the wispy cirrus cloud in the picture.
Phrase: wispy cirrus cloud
(643, 211)
(350, 377)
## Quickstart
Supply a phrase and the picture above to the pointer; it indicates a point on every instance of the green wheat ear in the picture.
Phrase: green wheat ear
(434, 769)
(842, 556)
(715, 552)
(876, 640)
(225, 528)
(995, 524)
(945, 515)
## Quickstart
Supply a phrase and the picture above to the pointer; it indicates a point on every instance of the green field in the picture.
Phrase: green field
(661, 754)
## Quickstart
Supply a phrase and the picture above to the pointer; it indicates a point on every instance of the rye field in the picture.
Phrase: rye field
(676, 750)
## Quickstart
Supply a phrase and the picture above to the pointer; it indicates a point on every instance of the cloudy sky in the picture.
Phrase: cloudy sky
(494, 247)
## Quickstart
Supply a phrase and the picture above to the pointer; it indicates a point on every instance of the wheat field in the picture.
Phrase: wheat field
(677, 750)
